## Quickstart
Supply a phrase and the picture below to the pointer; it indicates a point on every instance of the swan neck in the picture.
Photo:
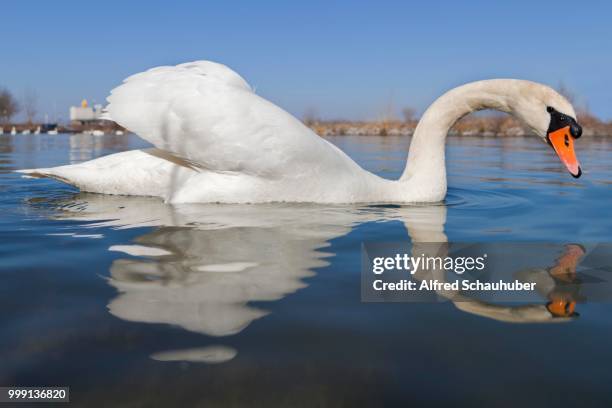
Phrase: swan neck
(425, 168)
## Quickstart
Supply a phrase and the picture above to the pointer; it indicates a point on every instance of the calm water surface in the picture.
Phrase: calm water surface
(131, 302)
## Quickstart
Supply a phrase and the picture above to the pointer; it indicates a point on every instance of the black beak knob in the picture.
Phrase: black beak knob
(575, 130)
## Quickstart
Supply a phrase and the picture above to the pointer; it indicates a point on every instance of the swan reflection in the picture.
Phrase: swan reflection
(202, 266)
(557, 285)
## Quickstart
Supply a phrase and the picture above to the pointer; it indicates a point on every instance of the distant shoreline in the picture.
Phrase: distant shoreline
(494, 126)
(487, 127)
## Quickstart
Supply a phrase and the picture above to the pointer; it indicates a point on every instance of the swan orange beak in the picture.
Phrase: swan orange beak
(562, 141)
(561, 307)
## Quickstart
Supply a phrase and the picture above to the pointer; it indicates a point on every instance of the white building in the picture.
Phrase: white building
(85, 113)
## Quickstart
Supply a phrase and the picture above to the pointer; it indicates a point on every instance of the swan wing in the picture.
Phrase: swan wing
(206, 114)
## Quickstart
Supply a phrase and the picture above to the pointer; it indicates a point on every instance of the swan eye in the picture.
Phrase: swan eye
(576, 130)
(550, 109)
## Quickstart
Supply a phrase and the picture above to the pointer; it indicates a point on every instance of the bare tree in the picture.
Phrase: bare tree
(409, 114)
(311, 116)
(565, 91)
(30, 99)
(388, 114)
(583, 112)
(8, 105)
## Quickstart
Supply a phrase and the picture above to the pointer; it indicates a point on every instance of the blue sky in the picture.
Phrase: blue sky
(346, 59)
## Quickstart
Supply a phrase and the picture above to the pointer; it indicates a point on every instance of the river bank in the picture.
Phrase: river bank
(489, 126)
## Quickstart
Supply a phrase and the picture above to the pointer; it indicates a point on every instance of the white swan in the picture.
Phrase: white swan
(217, 141)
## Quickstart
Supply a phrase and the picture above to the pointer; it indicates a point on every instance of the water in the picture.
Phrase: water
(134, 303)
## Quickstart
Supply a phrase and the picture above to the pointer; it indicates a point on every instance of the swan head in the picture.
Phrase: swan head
(553, 118)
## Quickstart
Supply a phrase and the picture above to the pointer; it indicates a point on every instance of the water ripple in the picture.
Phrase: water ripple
(483, 200)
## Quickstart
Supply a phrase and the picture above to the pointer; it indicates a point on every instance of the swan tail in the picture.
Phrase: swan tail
(135, 172)
(44, 173)
(75, 175)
